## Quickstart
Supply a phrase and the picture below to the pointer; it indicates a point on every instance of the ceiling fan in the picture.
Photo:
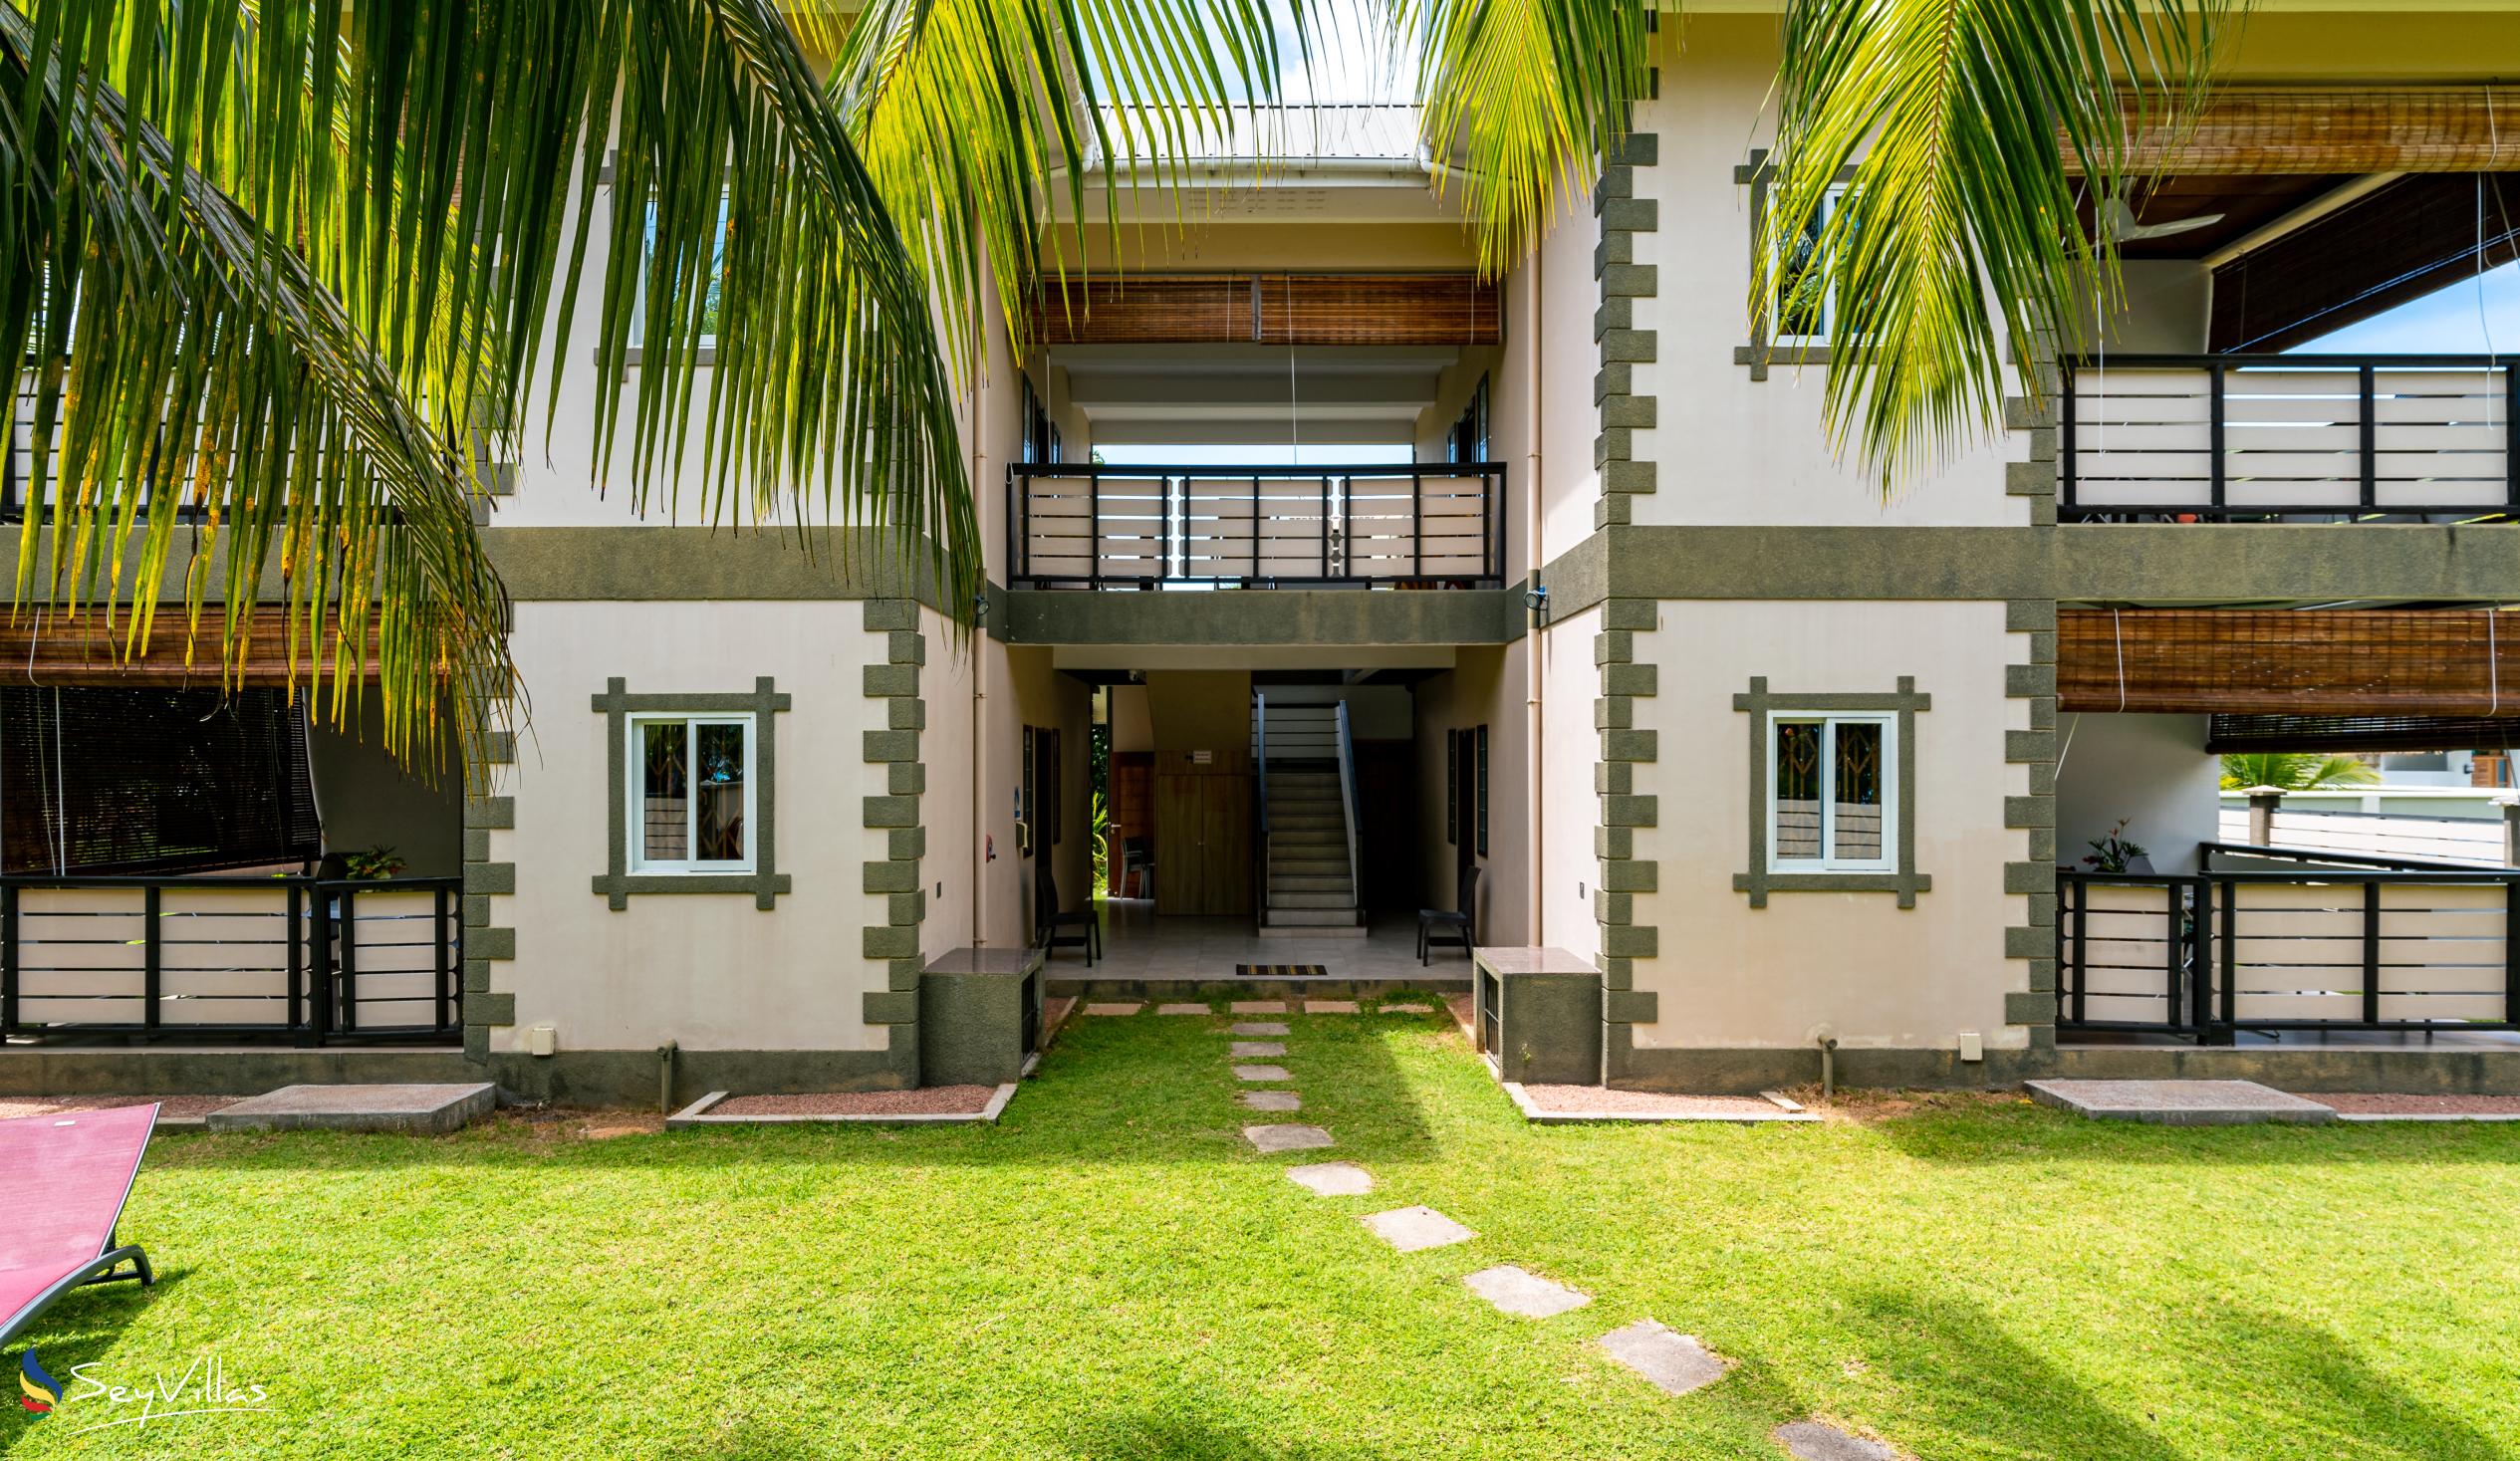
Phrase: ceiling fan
(2118, 222)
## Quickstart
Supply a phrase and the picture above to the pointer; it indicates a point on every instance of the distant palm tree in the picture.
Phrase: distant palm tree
(2294, 770)
(281, 272)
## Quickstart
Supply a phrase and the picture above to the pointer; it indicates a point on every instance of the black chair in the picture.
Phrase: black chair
(1056, 930)
(1435, 926)
(1137, 855)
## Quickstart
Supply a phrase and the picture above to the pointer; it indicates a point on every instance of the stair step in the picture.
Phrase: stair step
(1309, 867)
(1287, 882)
(1340, 899)
(1311, 917)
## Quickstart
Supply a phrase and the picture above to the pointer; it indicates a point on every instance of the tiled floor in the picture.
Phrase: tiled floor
(1137, 943)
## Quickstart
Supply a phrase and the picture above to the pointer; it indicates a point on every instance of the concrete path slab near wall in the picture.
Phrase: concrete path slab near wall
(1260, 1027)
(1332, 1180)
(1273, 1140)
(1263, 1073)
(430, 1110)
(1674, 1363)
(1272, 1100)
(1818, 1440)
(1411, 1229)
(1256, 1050)
(1519, 1290)
(2180, 1103)
(1114, 1008)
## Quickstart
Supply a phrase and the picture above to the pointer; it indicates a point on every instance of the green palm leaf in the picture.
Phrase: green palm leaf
(1960, 213)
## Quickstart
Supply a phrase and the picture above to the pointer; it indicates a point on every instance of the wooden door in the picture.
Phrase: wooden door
(1179, 884)
(1227, 817)
(1203, 826)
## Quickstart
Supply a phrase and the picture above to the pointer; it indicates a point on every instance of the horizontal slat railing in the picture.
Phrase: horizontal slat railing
(2146, 437)
(317, 960)
(2211, 955)
(1129, 527)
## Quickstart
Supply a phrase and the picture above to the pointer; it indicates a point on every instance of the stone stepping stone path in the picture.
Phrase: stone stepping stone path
(1517, 1291)
(1259, 1007)
(1409, 1009)
(1332, 1180)
(1257, 1050)
(1263, 1073)
(1412, 1229)
(1818, 1440)
(1272, 1139)
(1273, 1100)
(1674, 1363)
(1260, 1027)
(1328, 1007)
(1117, 1009)
(1181, 1009)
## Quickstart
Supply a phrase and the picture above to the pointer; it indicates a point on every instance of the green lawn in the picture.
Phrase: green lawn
(1111, 1272)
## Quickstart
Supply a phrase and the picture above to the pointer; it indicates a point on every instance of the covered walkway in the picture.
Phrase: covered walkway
(1143, 953)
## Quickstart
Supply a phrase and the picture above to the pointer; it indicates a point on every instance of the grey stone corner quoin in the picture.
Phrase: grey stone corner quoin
(765, 882)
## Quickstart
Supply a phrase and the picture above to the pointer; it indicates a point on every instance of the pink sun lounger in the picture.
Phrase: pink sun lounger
(63, 1182)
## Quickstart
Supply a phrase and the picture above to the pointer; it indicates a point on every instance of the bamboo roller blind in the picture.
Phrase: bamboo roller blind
(2314, 129)
(1455, 308)
(86, 652)
(2310, 662)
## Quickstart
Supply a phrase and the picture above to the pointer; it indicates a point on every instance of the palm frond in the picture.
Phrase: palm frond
(1530, 93)
(1959, 215)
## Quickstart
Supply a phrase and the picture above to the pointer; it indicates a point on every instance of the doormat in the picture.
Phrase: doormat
(1280, 971)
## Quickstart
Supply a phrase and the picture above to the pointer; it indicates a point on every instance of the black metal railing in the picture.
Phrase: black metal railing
(2210, 956)
(1081, 524)
(316, 960)
(2154, 438)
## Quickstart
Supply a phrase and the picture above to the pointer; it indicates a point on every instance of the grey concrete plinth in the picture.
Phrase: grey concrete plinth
(2180, 1103)
(1261, 1027)
(1287, 1138)
(421, 1109)
(1332, 1180)
(1256, 1050)
(1674, 1363)
(1263, 1073)
(1181, 1009)
(1409, 1229)
(1818, 1440)
(976, 1008)
(1519, 1292)
(1259, 1007)
(1537, 1013)
(1113, 1009)
(1273, 1100)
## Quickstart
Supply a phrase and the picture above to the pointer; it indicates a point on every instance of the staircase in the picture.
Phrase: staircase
(1309, 860)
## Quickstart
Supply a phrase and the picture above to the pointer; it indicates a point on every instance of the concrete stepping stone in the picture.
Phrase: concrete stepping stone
(1408, 1009)
(1330, 1007)
(1261, 1027)
(1272, 1139)
(1262, 1072)
(1114, 1008)
(1674, 1363)
(1818, 1440)
(1333, 1179)
(1273, 1100)
(2180, 1103)
(1259, 1007)
(1181, 1009)
(1409, 1229)
(419, 1109)
(1517, 1291)
(1257, 1049)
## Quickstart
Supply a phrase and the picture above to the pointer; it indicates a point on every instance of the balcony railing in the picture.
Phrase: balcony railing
(2181, 437)
(2344, 948)
(315, 960)
(1139, 527)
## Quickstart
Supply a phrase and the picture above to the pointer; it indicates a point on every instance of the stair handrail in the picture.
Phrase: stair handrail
(1348, 800)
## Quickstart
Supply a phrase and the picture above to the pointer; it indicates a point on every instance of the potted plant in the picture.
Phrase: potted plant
(2115, 851)
(371, 864)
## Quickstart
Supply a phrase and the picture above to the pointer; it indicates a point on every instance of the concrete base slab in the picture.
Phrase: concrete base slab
(2180, 1103)
(1129, 1008)
(1411, 1229)
(1259, 1007)
(1332, 1180)
(1556, 1105)
(1256, 1050)
(429, 1110)
(1409, 1008)
(1272, 1100)
(1674, 1363)
(1260, 1027)
(1262, 1072)
(1818, 1440)
(1181, 1009)
(1270, 1139)
(703, 1112)
(1330, 1007)
(1517, 1291)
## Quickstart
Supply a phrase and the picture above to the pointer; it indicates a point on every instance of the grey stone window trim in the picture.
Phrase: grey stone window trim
(1762, 353)
(1904, 881)
(765, 882)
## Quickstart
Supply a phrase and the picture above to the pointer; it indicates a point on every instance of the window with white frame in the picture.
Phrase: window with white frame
(1833, 793)
(1803, 308)
(693, 786)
